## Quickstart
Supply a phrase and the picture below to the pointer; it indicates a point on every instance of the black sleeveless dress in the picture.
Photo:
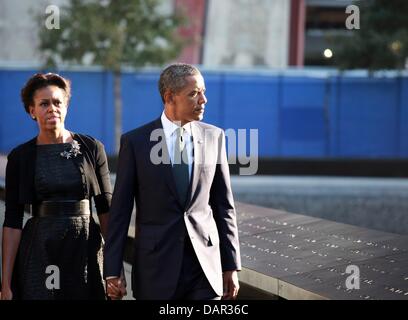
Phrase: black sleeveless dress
(60, 257)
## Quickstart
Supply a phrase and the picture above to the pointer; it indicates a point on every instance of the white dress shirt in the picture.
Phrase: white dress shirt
(169, 129)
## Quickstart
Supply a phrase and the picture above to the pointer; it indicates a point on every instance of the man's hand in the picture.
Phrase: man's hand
(231, 285)
(116, 288)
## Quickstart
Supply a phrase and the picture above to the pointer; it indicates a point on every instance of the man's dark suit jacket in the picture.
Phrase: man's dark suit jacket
(162, 221)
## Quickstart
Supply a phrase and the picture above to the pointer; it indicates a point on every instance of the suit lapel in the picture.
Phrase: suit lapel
(198, 144)
(165, 168)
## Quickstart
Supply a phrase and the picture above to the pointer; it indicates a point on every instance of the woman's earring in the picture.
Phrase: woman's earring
(33, 117)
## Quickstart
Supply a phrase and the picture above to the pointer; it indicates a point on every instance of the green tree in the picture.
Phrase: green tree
(112, 33)
(382, 40)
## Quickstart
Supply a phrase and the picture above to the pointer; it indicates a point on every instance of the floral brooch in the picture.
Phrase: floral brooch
(73, 152)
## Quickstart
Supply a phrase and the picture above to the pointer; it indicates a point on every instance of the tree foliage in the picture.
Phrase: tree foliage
(382, 40)
(112, 33)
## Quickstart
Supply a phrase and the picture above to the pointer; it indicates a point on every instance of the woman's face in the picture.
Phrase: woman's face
(49, 108)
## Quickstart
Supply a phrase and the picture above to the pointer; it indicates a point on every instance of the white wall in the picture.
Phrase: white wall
(247, 33)
(19, 30)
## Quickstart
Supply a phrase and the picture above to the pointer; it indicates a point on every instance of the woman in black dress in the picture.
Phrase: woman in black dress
(58, 253)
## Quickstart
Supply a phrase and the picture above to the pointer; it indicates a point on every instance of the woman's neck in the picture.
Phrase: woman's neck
(52, 137)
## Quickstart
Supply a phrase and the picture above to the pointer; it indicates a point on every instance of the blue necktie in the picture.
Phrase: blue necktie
(180, 165)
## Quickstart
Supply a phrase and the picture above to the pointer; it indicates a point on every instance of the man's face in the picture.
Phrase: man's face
(188, 104)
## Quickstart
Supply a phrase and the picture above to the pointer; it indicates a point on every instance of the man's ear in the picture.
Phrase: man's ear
(168, 97)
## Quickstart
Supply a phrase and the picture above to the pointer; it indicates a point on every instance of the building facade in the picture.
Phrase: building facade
(238, 33)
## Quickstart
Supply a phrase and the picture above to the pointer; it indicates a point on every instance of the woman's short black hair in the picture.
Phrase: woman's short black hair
(42, 80)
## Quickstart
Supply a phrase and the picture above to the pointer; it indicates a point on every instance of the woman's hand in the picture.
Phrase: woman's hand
(6, 294)
(116, 289)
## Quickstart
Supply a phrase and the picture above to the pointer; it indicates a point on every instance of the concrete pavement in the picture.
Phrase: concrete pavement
(375, 203)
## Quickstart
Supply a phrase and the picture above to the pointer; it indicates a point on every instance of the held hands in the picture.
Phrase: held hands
(116, 287)
(6, 294)
(231, 285)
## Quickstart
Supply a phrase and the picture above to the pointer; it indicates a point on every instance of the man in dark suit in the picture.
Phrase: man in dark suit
(175, 169)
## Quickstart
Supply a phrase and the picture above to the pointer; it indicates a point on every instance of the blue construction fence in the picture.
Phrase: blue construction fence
(304, 114)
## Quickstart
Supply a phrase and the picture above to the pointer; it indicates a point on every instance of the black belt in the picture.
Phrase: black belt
(61, 208)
